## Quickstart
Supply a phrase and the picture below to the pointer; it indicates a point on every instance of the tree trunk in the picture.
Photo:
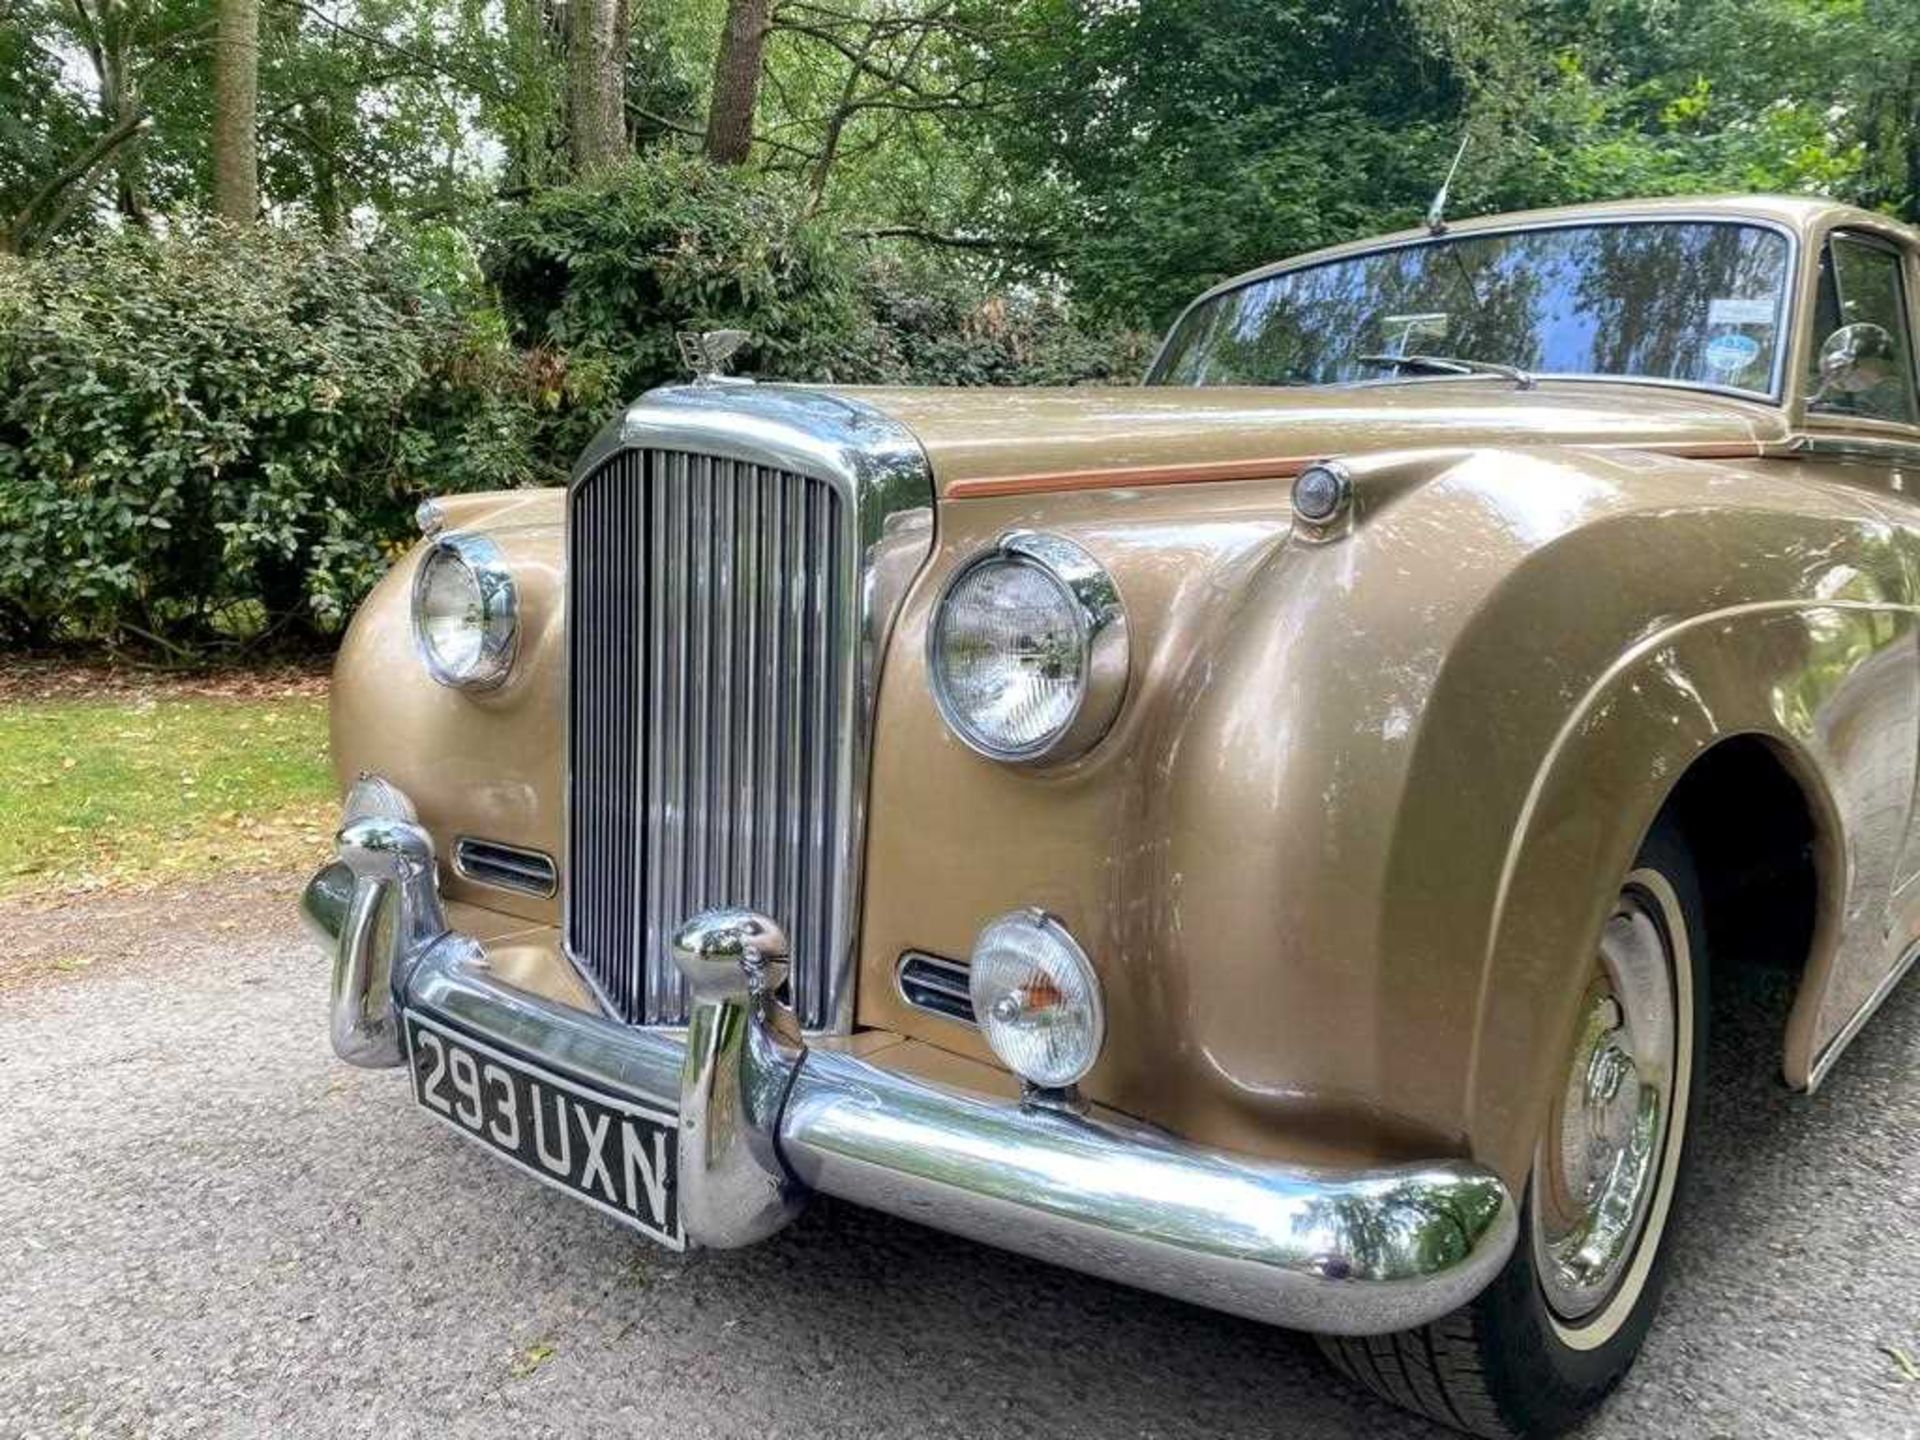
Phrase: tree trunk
(736, 81)
(236, 102)
(54, 202)
(597, 84)
(534, 113)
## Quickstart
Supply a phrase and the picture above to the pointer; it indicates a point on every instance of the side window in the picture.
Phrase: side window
(1860, 283)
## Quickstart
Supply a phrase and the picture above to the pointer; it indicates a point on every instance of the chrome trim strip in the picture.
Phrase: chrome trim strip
(882, 477)
(1830, 1053)
(450, 983)
(1869, 449)
(940, 976)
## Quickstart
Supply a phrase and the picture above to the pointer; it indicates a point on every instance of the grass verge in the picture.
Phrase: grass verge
(147, 787)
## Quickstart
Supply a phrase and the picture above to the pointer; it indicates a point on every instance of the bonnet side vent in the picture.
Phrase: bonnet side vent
(508, 867)
(938, 986)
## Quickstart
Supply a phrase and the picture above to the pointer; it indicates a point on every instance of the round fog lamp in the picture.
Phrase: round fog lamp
(1037, 999)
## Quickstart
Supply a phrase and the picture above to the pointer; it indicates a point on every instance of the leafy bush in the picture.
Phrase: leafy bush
(209, 435)
(217, 431)
(936, 326)
(606, 270)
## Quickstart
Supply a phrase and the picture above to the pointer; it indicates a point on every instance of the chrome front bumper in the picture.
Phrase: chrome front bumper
(765, 1120)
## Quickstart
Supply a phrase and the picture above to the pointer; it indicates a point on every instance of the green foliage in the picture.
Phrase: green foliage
(41, 125)
(608, 269)
(1187, 142)
(938, 326)
(214, 432)
(203, 434)
(600, 275)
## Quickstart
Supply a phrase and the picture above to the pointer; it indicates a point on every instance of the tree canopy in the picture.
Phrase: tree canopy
(1126, 152)
(283, 267)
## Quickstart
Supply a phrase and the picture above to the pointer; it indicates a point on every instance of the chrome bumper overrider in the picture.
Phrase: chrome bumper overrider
(764, 1120)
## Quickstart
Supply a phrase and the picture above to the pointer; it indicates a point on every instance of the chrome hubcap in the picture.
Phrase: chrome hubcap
(1599, 1161)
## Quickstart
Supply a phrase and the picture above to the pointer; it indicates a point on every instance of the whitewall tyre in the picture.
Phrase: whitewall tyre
(1562, 1323)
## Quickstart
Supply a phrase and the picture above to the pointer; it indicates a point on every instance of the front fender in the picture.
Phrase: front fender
(484, 762)
(1404, 797)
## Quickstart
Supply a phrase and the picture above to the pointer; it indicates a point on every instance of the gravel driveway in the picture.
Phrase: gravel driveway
(211, 1228)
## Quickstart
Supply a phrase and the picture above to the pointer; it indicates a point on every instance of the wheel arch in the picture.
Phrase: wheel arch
(1761, 708)
(1770, 850)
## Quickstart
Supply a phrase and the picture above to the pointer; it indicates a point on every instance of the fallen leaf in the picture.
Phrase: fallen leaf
(531, 1359)
(1908, 1370)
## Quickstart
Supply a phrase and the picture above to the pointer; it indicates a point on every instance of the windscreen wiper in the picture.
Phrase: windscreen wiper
(1450, 365)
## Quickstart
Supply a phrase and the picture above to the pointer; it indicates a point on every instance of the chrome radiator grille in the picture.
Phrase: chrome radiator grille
(710, 640)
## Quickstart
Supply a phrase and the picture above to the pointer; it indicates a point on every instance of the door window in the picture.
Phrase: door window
(1861, 283)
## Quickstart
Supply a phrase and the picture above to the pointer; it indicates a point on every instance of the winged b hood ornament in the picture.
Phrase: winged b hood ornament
(707, 352)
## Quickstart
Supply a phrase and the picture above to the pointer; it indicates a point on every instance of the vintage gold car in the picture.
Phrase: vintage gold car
(1263, 836)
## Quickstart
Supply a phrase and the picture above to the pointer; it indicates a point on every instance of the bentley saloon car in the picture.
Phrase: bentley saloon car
(1264, 836)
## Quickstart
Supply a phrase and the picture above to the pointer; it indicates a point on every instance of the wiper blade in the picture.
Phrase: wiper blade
(1451, 365)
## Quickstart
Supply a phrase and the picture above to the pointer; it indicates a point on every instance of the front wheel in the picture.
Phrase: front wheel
(1558, 1328)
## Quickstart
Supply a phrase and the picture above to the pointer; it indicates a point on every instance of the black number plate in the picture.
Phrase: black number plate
(619, 1157)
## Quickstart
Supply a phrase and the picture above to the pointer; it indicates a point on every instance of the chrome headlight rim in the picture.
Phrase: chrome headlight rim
(499, 606)
(1101, 621)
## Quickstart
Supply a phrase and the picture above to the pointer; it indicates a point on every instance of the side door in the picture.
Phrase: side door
(1866, 426)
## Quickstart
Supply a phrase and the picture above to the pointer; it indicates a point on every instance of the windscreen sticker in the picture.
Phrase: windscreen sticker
(1732, 311)
(1407, 334)
(1730, 354)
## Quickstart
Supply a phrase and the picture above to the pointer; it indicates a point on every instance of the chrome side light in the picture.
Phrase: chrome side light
(1037, 999)
(1027, 653)
(466, 612)
(1322, 492)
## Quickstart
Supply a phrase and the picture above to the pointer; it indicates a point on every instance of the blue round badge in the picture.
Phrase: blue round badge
(1728, 354)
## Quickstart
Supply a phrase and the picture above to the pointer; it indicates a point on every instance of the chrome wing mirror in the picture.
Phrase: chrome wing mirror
(1856, 358)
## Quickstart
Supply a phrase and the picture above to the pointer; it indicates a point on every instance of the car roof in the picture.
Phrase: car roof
(1799, 213)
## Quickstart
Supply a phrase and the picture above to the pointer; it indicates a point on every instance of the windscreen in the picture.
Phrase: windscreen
(1698, 302)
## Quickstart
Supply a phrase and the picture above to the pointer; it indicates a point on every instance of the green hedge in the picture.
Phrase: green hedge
(209, 437)
(606, 271)
(936, 328)
(214, 435)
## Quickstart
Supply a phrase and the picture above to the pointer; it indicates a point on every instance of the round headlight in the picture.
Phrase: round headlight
(1028, 650)
(1036, 999)
(466, 618)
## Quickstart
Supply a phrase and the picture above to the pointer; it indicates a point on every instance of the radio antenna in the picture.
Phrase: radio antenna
(1437, 212)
